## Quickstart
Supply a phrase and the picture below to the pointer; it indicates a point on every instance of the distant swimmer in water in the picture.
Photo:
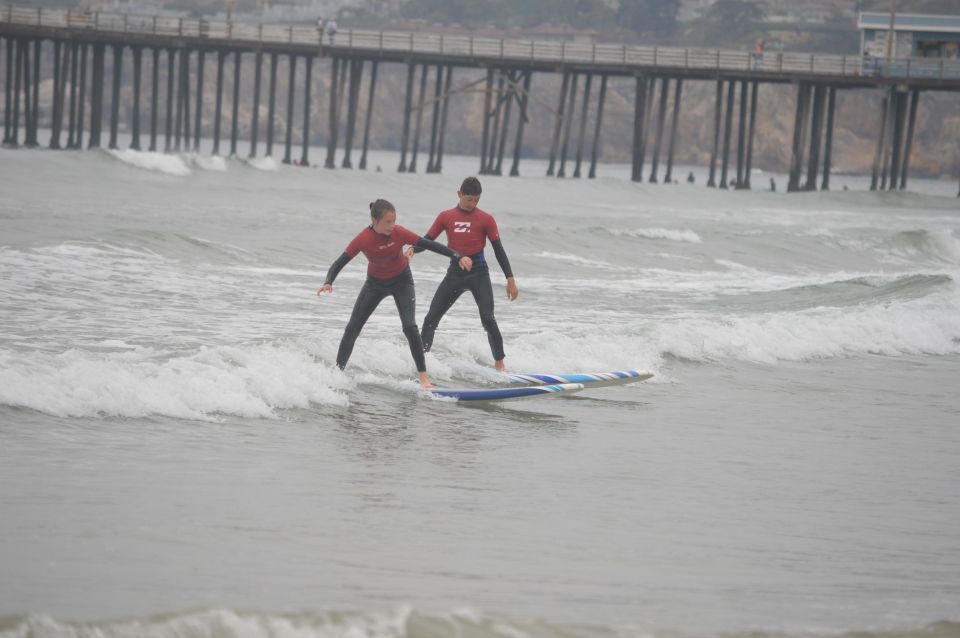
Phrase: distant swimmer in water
(388, 274)
(468, 228)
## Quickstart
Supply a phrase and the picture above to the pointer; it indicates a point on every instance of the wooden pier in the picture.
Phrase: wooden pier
(82, 44)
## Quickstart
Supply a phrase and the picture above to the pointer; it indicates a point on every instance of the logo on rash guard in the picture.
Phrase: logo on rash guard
(385, 246)
(461, 227)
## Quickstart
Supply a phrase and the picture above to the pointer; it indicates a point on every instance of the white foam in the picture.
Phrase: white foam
(226, 623)
(930, 325)
(250, 381)
(659, 233)
(209, 162)
(269, 270)
(263, 164)
(152, 161)
(578, 260)
(926, 326)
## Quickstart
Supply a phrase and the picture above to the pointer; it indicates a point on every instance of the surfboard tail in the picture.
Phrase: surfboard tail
(588, 379)
(509, 393)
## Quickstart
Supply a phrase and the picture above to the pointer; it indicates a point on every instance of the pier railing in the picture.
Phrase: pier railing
(472, 48)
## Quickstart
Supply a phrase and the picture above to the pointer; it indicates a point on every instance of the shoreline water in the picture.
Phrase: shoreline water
(386, 161)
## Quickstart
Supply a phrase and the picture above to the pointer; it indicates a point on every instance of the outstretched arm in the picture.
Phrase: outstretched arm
(425, 243)
(512, 290)
(335, 269)
(420, 249)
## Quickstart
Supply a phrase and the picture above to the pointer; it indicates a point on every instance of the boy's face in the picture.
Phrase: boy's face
(468, 202)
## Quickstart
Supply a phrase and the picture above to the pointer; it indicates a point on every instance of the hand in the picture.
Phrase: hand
(325, 288)
(409, 252)
(466, 263)
(512, 291)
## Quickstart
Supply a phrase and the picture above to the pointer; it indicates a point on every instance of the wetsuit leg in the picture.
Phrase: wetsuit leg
(446, 295)
(405, 297)
(482, 291)
(367, 301)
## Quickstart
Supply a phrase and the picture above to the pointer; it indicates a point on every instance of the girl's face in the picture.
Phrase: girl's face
(384, 225)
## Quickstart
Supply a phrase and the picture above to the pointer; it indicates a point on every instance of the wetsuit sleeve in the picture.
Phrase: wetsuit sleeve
(336, 267)
(433, 232)
(424, 243)
(418, 249)
(501, 257)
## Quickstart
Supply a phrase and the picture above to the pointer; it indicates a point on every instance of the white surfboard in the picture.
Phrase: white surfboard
(588, 379)
(509, 393)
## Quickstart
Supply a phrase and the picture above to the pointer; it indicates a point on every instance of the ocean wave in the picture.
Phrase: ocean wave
(941, 245)
(179, 376)
(263, 164)
(208, 162)
(400, 623)
(926, 326)
(249, 381)
(687, 236)
(152, 161)
(845, 292)
(179, 164)
(579, 261)
(655, 233)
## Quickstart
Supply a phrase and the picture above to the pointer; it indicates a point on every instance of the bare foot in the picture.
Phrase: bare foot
(499, 365)
(425, 381)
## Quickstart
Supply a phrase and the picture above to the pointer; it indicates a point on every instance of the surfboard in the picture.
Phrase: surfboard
(509, 393)
(588, 379)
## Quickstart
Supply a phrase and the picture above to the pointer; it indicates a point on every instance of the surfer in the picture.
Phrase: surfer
(468, 228)
(388, 274)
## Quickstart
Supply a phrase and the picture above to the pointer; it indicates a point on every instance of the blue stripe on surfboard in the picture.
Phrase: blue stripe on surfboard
(587, 378)
(502, 394)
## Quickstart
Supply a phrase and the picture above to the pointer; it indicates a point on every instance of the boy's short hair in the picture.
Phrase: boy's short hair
(471, 186)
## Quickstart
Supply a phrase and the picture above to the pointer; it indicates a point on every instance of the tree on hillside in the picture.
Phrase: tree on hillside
(731, 12)
(474, 12)
(577, 13)
(657, 18)
(733, 21)
(509, 13)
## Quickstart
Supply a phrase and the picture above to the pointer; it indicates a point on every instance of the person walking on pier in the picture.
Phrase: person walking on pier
(758, 54)
(468, 228)
(388, 274)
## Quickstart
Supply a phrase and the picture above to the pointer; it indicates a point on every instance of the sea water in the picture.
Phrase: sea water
(179, 455)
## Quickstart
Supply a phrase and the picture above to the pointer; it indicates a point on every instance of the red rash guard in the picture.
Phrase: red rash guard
(467, 232)
(384, 252)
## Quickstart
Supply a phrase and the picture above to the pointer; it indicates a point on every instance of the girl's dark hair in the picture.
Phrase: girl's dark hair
(379, 207)
(471, 186)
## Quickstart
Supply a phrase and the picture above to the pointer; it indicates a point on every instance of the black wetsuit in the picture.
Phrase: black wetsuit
(375, 289)
(373, 292)
(454, 284)
(467, 232)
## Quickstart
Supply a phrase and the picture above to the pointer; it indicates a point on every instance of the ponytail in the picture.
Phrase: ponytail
(379, 207)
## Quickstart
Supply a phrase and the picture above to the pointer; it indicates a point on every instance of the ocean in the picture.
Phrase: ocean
(179, 455)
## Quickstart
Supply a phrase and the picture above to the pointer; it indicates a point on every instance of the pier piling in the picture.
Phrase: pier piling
(368, 117)
(594, 153)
